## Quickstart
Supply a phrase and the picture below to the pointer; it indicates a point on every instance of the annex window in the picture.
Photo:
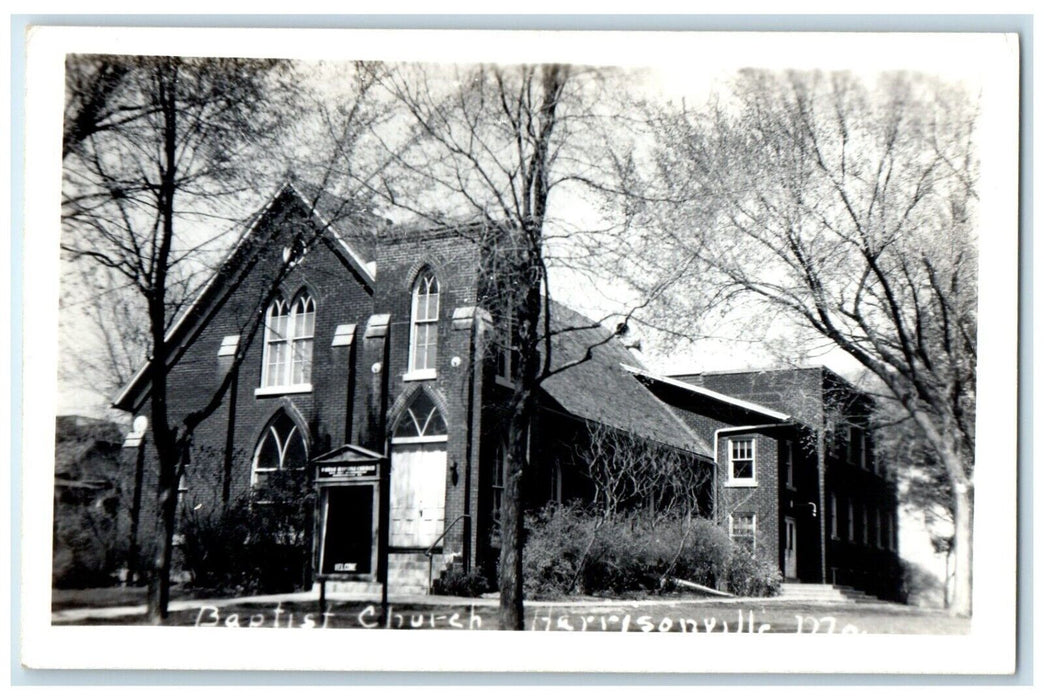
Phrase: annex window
(556, 483)
(851, 521)
(833, 517)
(424, 327)
(506, 349)
(289, 335)
(281, 448)
(866, 525)
(741, 462)
(857, 446)
(422, 422)
(743, 530)
(497, 481)
(878, 531)
(786, 456)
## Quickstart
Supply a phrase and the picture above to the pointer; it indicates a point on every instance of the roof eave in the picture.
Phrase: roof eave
(707, 393)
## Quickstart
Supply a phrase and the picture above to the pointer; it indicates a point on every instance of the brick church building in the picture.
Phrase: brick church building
(379, 379)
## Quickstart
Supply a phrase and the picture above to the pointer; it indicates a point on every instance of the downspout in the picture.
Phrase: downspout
(821, 468)
(349, 412)
(469, 439)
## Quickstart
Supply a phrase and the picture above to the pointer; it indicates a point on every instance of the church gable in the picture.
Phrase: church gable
(289, 252)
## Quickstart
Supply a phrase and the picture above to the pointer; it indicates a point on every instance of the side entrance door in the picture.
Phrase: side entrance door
(417, 497)
(790, 549)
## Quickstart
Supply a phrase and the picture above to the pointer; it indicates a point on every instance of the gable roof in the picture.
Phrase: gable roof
(705, 393)
(601, 390)
(326, 210)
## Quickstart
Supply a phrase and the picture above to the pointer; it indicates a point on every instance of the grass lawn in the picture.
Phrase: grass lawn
(674, 615)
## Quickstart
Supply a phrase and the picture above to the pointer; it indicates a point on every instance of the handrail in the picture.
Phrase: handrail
(430, 552)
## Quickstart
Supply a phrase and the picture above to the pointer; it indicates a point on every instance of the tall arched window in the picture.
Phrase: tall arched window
(424, 325)
(282, 446)
(289, 331)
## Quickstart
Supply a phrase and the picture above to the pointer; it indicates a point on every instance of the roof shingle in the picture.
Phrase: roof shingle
(601, 390)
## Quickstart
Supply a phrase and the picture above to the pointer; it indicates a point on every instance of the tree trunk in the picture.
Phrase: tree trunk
(961, 604)
(512, 615)
(167, 442)
(159, 581)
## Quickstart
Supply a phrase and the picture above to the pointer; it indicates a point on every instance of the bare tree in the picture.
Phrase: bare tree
(493, 146)
(138, 191)
(850, 209)
(630, 472)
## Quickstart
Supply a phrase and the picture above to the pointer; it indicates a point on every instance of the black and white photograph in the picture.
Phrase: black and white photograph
(681, 341)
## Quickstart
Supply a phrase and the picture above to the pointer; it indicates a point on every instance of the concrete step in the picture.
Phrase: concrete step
(408, 572)
(825, 593)
(407, 575)
(350, 587)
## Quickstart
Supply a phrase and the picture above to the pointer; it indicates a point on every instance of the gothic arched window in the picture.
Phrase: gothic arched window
(281, 447)
(424, 325)
(422, 422)
(289, 332)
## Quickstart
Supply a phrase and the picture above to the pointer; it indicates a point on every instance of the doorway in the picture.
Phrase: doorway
(790, 549)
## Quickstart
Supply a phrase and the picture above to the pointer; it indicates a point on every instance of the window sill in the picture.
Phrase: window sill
(280, 390)
(418, 375)
(741, 483)
(504, 382)
(418, 440)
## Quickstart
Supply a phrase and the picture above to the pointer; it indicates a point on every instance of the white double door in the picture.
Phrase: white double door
(417, 498)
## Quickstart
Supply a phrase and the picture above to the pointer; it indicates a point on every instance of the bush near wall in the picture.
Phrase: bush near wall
(257, 544)
(570, 551)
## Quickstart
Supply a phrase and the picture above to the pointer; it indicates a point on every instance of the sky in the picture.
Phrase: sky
(675, 70)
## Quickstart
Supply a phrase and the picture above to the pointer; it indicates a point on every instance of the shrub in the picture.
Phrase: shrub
(746, 575)
(85, 553)
(250, 546)
(455, 582)
(921, 587)
(570, 551)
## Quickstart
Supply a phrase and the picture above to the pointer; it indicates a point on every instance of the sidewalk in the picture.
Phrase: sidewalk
(83, 614)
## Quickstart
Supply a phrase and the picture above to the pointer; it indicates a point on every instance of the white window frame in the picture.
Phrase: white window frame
(295, 334)
(753, 529)
(426, 279)
(423, 435)
(752, 480)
